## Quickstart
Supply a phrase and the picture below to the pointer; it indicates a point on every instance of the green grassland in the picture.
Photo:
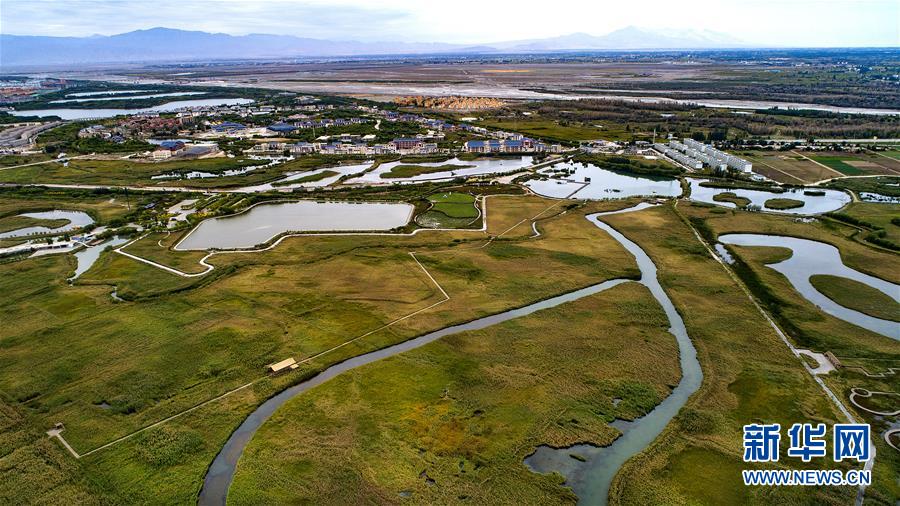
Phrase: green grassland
(107, 368)
(480, 402)
(878, 214)
(12, 160)
(552, 130)
(858, 296)
(839, 164)
(450, 210)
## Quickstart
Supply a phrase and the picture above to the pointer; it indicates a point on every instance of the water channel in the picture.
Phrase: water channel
(827, 201)
(591, 479)
(89, 255)
(812, 257)
(77, 219)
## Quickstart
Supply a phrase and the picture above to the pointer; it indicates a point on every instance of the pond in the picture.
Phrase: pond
(830, 200)
(77, 219)
(810, 258)
(72, 114)
(588, 181)
(591, 475)
(265, 221)
(476, 167)
(89, 255)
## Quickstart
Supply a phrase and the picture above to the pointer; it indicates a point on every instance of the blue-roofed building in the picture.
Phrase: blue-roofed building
(228, 126)
(281, 127)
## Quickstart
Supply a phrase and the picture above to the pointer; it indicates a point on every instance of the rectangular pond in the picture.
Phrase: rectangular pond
(265, 221)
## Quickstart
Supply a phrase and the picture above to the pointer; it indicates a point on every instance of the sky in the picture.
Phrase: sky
(820, 23)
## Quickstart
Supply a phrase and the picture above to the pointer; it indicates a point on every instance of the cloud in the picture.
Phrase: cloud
(767, 22)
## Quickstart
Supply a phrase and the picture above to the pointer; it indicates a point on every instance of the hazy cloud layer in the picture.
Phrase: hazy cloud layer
(769, 22)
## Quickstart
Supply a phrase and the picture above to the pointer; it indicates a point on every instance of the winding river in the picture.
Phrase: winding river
(591, 479)
(809, 258)
(597, 474)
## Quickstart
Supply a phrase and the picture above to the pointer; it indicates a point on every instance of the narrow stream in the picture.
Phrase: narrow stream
(221, 472)
(591, 479)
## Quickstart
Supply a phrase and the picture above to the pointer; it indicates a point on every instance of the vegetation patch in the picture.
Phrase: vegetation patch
(733, 198)
(839, 164)
(857, 296)
(783, 204)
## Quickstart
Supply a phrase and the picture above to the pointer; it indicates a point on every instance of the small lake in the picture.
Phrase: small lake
(129, 97)
(466, 168)
(832, 200)
(588, 181)
(265, 221)
(77, 219)
(89, 255)
(591, 479)
(812, 257)
(71, 114)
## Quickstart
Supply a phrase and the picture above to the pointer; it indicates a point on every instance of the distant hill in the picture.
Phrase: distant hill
(170, 45)
(628, 38)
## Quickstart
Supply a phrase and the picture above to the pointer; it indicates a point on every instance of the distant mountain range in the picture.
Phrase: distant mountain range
(170, 45)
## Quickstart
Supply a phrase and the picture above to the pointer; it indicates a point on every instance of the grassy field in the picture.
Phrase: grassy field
(107, 368)
(749, 376)
(783, 204)
(449, 210)
(410, 170)
(13, 160)
(859, 164)
(858, 296)
(798, 167)
(554, 131)
(480, 402)
(881, 215)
